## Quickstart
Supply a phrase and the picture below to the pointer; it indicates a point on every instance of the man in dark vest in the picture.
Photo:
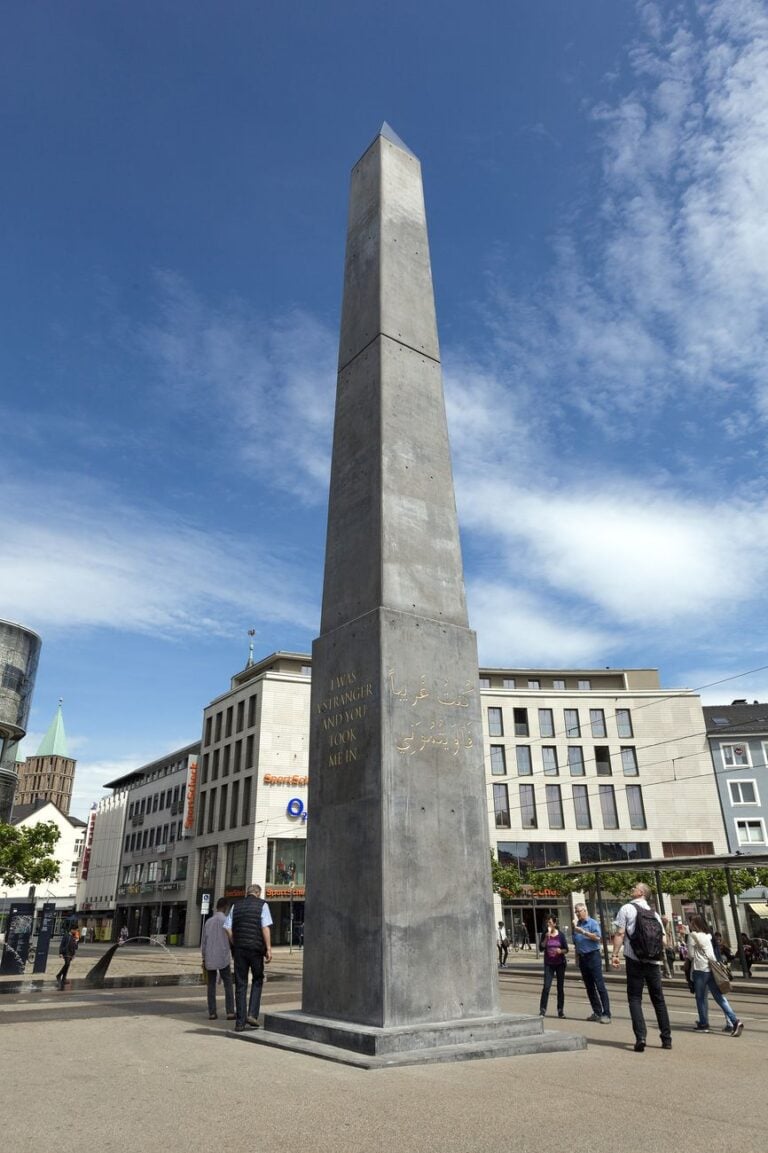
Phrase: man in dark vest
(248, 928)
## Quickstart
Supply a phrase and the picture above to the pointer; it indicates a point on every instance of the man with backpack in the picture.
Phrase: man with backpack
(67, 950)
(640, 930)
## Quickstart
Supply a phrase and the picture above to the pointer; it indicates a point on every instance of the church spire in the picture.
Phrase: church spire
(54, 743)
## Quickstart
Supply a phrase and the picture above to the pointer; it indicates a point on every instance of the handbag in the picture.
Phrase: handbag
(722, 975)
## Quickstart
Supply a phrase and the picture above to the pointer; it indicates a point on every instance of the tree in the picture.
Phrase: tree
(25, 854)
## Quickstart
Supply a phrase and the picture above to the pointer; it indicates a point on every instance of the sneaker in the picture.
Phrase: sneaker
(666, 1044)
(213, 1016)
(561, 1014)
(701, 1028)
(252, 1021)
(727, 1028)
(738, 1029)
(604, 1020)
(230, 1016)
(639, 1046)
(593, 1017)
(239, 1028)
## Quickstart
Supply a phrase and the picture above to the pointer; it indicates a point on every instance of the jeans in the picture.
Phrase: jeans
(62, 973)
(226, 980)
(503, 947)
(551, 971)
(592, 975)
(703, 983)
(247, 962)
(642, 975)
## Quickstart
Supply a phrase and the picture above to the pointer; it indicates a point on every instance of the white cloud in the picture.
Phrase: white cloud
(75, 554)
(663, 294)
(265, 384)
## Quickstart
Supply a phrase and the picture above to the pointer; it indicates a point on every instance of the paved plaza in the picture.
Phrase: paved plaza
(144, 1068)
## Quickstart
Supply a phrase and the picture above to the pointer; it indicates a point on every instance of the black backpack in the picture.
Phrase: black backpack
(647, 940)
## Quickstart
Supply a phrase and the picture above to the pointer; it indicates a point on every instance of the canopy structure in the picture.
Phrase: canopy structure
(726, 861)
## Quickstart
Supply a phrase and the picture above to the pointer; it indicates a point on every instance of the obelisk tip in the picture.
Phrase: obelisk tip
(389, 134)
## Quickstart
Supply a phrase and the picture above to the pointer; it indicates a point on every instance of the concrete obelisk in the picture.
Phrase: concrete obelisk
(398, 958)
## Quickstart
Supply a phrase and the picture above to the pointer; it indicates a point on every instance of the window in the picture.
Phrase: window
(223, 808)
(603, 761)
(584, 686)
(509, 683)
(624, 723)
(743, 793)
(608, 807)
(249, 752)
(237, 757)
(208, 726)
(527, 807)
(235, 805)
(628, 761)
(735, 756)
(228, 725)
(286, 861)
(234, 873)
(240, 719)
(581, 807)
(155, 802)
(181, 868)
(554, 807)
(558, 684)
(211, 810)
(572, 726)
(246, 801)
(520, 717)
(215, 765)
(576, 760)
(527, 855)
(501, 806)
(498, 761)
(591, 852)
(523, 758)
(208, 862)
(534, 684)
(226, 753)
(205, 769)
(549, 760)
(127, 843)
(495, 723)
(217, 733)
(750, 832)
(252, 711)
(546, 723)
(485, 682)
(597, 722)
(306, 670)
(636, 807)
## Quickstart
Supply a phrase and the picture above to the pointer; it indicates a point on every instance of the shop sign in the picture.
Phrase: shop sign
(284, 893)
(295, 781)
(234, 891)
(295, 808)
(190, 797)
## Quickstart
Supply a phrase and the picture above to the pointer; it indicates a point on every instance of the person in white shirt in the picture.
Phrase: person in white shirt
(700, 953)
(641, 974)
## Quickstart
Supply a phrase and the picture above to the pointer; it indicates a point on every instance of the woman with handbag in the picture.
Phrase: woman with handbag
(702, 955)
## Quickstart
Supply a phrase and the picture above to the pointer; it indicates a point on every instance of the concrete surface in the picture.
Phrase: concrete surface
(113, 1070)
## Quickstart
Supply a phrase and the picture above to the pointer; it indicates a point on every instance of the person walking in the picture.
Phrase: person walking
(554, 946)
(641, 931)
(217, 955)
(248, 928)
(502, 944)
(586, 941)
(701, 952)
(67, 950)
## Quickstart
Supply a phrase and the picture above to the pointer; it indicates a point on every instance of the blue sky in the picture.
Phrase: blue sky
(174, 208)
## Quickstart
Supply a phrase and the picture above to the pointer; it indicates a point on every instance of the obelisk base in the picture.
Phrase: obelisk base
(506, 1035)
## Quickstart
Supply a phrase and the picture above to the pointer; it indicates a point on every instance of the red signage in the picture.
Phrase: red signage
(191, 796)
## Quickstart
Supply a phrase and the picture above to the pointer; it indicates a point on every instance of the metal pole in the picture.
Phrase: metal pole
(603, 934)
(292, 886)
(736, 922)
(659, 895)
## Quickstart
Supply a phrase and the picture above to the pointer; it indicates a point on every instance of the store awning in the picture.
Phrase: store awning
(759, 910)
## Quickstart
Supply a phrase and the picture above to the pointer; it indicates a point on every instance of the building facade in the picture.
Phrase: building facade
(593, 765)
(154, 880)
(19, 656)
(251, 806)
(50, 774)
(100, 869)
(68, 853)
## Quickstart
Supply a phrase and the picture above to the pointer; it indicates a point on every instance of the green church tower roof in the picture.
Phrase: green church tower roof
(54, 743)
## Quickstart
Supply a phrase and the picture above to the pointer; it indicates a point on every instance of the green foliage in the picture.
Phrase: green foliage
(25, 854)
